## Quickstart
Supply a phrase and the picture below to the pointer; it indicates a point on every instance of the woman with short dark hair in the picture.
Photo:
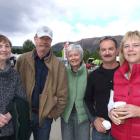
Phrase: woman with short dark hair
(10, 87)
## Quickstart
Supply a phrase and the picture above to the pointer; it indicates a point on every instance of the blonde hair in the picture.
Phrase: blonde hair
(130, 35)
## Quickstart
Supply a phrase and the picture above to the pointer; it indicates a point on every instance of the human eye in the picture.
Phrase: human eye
(103, 50)
(7, 46)
(125, 46)
(111, 48)
(136, 45)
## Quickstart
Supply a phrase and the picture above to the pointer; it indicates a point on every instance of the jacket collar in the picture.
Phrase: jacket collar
(125, 68)
(35, 55)
(7, 67)
(47, 58)
(80, 70)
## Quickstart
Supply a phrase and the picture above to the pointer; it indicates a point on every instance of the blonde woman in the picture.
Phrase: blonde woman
(127, 89)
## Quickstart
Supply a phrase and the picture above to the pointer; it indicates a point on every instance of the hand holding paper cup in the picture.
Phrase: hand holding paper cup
(119, 104)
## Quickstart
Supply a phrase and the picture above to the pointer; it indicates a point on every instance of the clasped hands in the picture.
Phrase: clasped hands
(4, 119)
(120, 114)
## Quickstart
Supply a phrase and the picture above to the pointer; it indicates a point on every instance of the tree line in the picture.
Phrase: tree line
(28, 45)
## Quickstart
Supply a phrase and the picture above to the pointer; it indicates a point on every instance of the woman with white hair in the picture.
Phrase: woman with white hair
(126, 119)
(74, 123)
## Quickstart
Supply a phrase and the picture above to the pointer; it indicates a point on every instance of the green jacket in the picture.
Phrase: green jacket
(19, 109)
(76, 92)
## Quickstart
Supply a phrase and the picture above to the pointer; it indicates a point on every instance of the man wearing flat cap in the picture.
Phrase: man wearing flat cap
(45, 82)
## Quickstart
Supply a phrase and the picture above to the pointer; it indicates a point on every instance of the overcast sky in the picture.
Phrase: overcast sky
(70, 20)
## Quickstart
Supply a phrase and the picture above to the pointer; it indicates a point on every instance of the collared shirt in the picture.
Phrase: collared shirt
(41, 72)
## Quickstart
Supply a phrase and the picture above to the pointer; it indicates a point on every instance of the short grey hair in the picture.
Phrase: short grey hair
(76, 47)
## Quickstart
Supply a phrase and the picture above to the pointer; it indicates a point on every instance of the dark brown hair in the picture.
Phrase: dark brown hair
(108, 38)
(5, 40)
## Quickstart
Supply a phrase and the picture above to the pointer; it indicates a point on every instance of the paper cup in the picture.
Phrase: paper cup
(119, 104)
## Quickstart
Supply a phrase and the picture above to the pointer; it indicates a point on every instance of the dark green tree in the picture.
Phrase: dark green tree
(95, 54)
(17, 50)
(28, 45)
(86, 55)
(58, 54)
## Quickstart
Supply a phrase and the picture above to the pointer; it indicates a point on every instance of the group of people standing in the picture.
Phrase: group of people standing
(40, 88)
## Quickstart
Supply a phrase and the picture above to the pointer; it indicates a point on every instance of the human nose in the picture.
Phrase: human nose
(107, 52)
(72, 57)
(130, 47)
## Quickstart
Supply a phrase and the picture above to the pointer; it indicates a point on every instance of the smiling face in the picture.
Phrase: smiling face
(5, 51)
(74, 58)
(108, 51)
(131, 51)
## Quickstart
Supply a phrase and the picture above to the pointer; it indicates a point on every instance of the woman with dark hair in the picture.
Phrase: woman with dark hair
(10, 90)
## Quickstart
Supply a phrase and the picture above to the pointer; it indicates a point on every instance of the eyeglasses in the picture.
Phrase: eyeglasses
(108, 38)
